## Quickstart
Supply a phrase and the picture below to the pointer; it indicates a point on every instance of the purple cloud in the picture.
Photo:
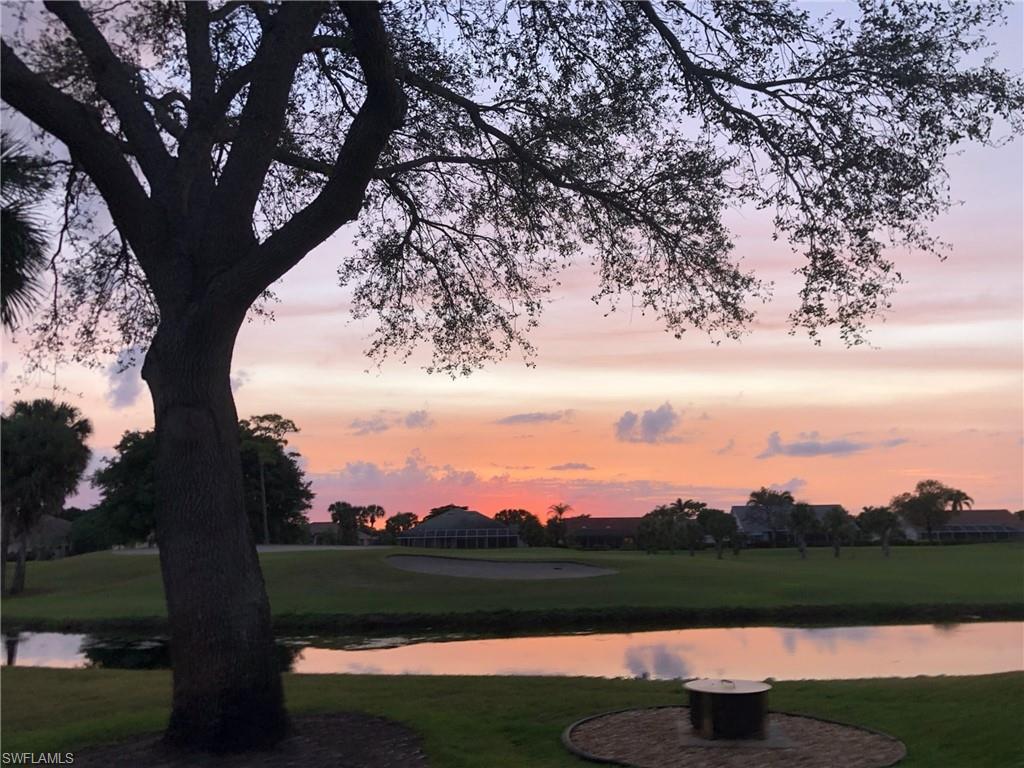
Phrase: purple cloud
(418, 420)
(810, 444)
(369, 426)
(537, 417)
(653, 426)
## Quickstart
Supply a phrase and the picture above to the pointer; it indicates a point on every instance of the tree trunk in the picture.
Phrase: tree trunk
(719, 545)
(835, 546)
(18, 582)
(263, 501)
(885, 542)
(5, 544)
(802, 546)
(227, 693)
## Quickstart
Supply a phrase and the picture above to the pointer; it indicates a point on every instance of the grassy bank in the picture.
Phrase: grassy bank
(502, 721)
(358, 590)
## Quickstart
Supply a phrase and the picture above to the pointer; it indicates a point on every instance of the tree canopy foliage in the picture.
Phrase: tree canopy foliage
(719, 525)
(802, 522)
(930, 505)
(531, 530)
(126, 482)
(672, 526)
(881, 522)
(488, 143)
(351, 519)
(25, 180)
(398, 524)
(42, 458)
(274, 479)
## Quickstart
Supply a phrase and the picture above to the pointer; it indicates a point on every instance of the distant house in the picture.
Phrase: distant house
(323, 533)
(600, 532)
(758, 523)
(48, 539)
(327, 533)
(973, 525)
(460, 528)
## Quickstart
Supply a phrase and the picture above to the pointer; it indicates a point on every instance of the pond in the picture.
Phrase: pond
(783, 653)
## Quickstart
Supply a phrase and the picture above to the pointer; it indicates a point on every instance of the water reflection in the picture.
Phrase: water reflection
(659, 662)
(826, 640)
(752, 652)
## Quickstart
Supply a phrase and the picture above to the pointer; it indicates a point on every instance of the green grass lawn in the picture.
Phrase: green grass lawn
(105, 586)
(466, 722)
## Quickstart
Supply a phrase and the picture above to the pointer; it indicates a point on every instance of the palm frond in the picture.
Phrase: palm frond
(24, 179)
(23, 245)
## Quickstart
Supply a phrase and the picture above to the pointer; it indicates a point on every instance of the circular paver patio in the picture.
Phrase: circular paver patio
(661, 737)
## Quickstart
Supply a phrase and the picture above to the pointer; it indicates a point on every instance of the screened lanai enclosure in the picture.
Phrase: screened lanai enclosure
(460, 528)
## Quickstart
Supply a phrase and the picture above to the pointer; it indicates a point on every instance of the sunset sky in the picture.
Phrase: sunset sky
(617, 416)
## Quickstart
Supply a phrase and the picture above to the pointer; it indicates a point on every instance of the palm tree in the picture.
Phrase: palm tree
(556, 523)
(775, 504)
(836, 522)
(24, 178)
(881, 522)
(687, 511)
(42, 457)
(558, 511)
(958, 501)
(372, 513)
(802, 521)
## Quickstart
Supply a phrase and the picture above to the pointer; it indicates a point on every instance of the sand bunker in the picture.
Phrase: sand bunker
(496, 569)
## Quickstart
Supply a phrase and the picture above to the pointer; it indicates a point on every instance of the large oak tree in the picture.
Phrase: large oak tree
(478, 147)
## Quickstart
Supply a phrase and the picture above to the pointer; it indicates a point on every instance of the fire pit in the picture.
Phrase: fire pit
(728, 709)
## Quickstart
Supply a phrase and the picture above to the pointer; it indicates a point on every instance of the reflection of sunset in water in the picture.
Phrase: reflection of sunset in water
(45, 649)
(755, 653)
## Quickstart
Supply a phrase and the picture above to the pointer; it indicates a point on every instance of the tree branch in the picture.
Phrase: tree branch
(98, 153)
(115, 84)
(274, 64)
(200, 59)
(382, 111)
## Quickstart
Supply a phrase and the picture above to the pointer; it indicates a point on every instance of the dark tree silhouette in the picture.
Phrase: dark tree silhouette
(127, 483)
(352, 519)
(399, 524)
(836, 522)
(42, 457)
(802, 521)
(277, 494)
(554, 528)
(774, 507)
(719, 525)
(880, 522)
(670, 525)
(260, 436)
(24, 181)
(531, 530)
(930, 506)
(481, 145)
